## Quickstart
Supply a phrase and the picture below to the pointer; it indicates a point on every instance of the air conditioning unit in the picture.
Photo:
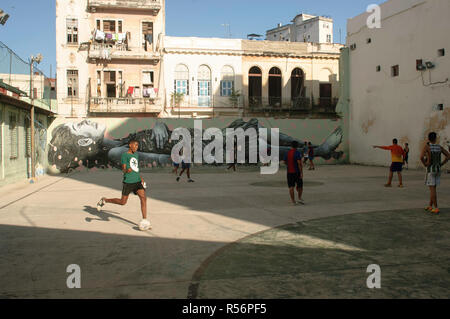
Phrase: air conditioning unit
(421, 67)
(430, 65)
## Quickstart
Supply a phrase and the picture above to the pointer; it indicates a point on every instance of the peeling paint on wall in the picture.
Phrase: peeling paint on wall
(367, 125)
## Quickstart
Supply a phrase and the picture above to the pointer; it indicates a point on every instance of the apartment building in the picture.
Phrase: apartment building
(304, 28)
(109, 57)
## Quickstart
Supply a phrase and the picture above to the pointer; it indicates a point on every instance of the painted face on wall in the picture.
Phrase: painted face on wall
(87, 129)
(73, 143)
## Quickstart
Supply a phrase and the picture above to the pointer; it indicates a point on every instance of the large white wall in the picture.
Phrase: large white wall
(383, 107)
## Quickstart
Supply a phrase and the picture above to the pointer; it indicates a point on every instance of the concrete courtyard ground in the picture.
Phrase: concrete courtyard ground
(228, 235)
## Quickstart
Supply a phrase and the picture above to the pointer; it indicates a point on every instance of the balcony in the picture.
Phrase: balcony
(110, 51)
(265, 106)
(143, 5)
(125, 105)
(300, 105)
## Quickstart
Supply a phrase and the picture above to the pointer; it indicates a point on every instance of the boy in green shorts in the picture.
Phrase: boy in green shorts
(132, 182)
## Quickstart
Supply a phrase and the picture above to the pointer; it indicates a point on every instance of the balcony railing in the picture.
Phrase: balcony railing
(256, 104)
(109, 51)
(124, 105)
(154, 5)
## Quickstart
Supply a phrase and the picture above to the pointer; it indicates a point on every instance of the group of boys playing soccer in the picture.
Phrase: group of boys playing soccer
(430, 157)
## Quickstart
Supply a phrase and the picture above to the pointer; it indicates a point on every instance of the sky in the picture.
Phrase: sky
(31, 27)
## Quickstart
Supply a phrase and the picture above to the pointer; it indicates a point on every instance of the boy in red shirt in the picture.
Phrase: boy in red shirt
(293, 160)
(398, 159)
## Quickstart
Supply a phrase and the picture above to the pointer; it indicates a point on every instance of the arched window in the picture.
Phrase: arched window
(255, 86)
(204, 85)
(275, 87)
(181, 84)
(227, 82)
(297, 83)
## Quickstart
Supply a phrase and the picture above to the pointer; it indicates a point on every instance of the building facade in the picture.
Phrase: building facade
(207, 77)
(114, 60)
(399, 78)
(304, 28)
(15, 135)
(108, 56)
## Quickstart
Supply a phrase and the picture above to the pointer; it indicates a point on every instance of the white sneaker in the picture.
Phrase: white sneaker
(100, 204)
(144, 225)
(301, 202)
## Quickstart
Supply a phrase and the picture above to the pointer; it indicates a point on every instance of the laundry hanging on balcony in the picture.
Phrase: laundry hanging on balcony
(149, 92)
(99, 35)
(116, 37)
(130, 91)
(149, 38)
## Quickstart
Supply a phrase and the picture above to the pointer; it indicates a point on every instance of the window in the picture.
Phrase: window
(13, 133)
(227, 81)
(147, 35)
(121, 84)
(109, 25)
(441, 52)
(109, 77)
(328, 38)
(27, 126)
(72, 31)
(369, 40)
(181, 83)
(378, 68)
(119, 26)
(72, 83)
(99, 83)
(419, 65)
(395, 71)
(147, 77)
(147, 83)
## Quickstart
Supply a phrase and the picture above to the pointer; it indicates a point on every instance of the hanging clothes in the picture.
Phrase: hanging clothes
(149, 38)
(130, 91)
(152, 93)
(122, 37)
(99, 35)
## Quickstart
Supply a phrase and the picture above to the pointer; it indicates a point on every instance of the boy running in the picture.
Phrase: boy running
(294, 164)
(398, 155)
(431, 159)
(132, 182)
(185, 167)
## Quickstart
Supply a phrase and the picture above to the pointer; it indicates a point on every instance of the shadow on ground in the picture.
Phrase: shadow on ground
(324, 258)
(328, 258)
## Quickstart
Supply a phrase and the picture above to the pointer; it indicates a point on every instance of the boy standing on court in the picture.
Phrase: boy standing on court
(398, 155)
(431, 159)
(294, 164)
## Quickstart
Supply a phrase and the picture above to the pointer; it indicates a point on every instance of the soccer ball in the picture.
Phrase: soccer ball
(144, 225)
